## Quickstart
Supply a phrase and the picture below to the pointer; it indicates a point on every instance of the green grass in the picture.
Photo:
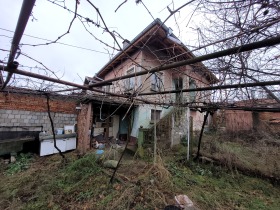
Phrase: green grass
(21, 164)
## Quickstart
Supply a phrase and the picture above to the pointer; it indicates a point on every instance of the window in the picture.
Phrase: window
(106, 88)
(130, 82)
(156, 82)
(178, 85)
(192, 85)
(155, 114)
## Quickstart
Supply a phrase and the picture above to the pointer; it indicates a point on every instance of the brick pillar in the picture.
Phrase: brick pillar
(83, 124)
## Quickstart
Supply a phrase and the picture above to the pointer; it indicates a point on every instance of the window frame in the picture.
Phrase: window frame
(158, 115)
(157, 81)
(192, 94)
(130, 82)
(178, 83)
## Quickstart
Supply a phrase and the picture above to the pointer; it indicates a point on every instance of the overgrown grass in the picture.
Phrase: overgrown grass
(79, 183)
(211, 187)
(21, 163)
(256, 153)
(44, 186)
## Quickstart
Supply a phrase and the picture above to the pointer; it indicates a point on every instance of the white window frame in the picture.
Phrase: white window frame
(130, 82)
(156, 82)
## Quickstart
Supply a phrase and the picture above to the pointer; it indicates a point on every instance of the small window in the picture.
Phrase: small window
(192, 85)
(106, 88)
(130, 82)
(155, 114)
(156, 82)
(178, 85)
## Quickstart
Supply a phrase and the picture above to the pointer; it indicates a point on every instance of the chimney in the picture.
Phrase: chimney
(125, 43)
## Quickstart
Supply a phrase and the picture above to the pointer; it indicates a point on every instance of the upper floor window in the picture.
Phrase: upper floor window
(130, 82)
(156, 81)
(178, 85)
(192, 85)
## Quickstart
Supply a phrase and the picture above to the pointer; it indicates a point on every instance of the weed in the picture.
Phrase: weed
(21, 164)
(75, 173)
(202, 171)
(183, 140)
(107, 200)
(84, 195)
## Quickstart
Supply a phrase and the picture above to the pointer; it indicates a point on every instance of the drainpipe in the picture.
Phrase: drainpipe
(25, 12)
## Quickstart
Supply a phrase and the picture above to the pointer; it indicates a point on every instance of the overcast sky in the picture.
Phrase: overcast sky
(50, 21)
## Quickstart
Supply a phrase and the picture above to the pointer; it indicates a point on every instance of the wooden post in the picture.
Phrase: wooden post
(84, 118)
(155, 137)
(140, 142)
(188, 133)
(201, 133)
(191, 134)
(172, 129)
(107, 126)
(91, 129)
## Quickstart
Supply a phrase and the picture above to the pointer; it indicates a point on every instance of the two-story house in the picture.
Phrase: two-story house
(156, 45)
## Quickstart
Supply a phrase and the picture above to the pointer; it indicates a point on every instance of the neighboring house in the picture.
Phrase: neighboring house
(255, 114)
(156, 45)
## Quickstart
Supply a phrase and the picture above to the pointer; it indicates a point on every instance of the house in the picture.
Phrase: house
(156, 45)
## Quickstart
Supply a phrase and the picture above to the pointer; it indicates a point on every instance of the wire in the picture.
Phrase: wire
(69, 45)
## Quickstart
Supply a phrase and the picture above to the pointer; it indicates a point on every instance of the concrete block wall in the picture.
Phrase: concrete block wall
(20, 120)
(21, 112)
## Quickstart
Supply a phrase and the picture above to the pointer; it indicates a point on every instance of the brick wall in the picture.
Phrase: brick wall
(36, 103)
(17, 111)
(270, 121)
(238, 120)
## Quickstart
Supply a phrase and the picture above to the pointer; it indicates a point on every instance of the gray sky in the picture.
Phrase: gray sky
(53, 21)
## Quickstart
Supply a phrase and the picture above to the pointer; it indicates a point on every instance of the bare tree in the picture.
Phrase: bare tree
(228, 24)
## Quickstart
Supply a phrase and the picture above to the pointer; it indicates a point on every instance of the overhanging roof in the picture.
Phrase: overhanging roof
(156, 30)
